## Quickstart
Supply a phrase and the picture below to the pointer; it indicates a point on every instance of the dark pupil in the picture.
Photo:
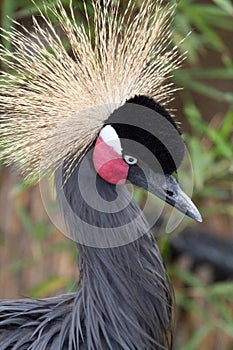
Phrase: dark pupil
(131, 160)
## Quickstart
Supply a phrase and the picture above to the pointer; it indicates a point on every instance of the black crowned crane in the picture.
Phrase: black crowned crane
(96, 118)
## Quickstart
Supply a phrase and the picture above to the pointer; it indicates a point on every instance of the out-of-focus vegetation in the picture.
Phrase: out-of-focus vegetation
(37, 261)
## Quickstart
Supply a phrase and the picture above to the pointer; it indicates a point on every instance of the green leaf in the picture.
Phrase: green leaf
(221, 145)
(222, 289)
(227, 125)
(23, 185)
(48, 287)
(210, 73)
(7, 12)
(197, 337)
(24, 218)
(42, 229)
(226, 5)
(201, 161)
(187, 277)
(228, 328)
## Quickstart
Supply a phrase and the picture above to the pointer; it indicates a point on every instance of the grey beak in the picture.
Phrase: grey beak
(177, 198)
(166, 188)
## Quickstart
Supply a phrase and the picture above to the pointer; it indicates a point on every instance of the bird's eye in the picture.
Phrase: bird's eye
(130, 160)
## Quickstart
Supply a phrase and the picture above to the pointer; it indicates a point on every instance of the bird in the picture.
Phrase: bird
(96, 116)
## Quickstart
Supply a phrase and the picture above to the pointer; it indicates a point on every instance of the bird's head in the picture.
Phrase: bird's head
(56, 105)
(141, 144)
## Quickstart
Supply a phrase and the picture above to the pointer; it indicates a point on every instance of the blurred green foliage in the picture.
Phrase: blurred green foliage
(210, 145)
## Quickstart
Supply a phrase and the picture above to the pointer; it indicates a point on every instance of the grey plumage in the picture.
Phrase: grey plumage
(124, 299)
(124, 302)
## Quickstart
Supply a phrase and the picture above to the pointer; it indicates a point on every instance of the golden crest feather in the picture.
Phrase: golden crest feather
(55, 105)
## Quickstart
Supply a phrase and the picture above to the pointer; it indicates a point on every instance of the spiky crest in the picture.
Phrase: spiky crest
(55, 105)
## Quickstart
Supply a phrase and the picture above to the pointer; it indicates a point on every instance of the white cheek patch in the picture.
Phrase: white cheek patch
(110, 137)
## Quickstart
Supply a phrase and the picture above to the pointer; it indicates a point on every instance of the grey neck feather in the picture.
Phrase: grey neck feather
(124, 301)
(125, 295)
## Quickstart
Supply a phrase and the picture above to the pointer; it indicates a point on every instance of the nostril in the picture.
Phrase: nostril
(169, 193)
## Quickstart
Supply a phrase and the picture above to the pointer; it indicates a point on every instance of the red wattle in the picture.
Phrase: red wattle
(109, 164)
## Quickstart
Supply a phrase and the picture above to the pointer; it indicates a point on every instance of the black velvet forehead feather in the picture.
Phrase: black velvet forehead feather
(152, 104)
(147, 123)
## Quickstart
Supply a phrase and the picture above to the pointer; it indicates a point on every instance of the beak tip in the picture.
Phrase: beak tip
(199, 218)
(194, 214)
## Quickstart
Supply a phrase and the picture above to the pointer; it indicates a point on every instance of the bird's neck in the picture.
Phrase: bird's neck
(124, 288)
(126, 293)
(96, 213)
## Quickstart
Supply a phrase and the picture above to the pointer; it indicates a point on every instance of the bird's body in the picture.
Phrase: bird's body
(124, 299)
(96, 120)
